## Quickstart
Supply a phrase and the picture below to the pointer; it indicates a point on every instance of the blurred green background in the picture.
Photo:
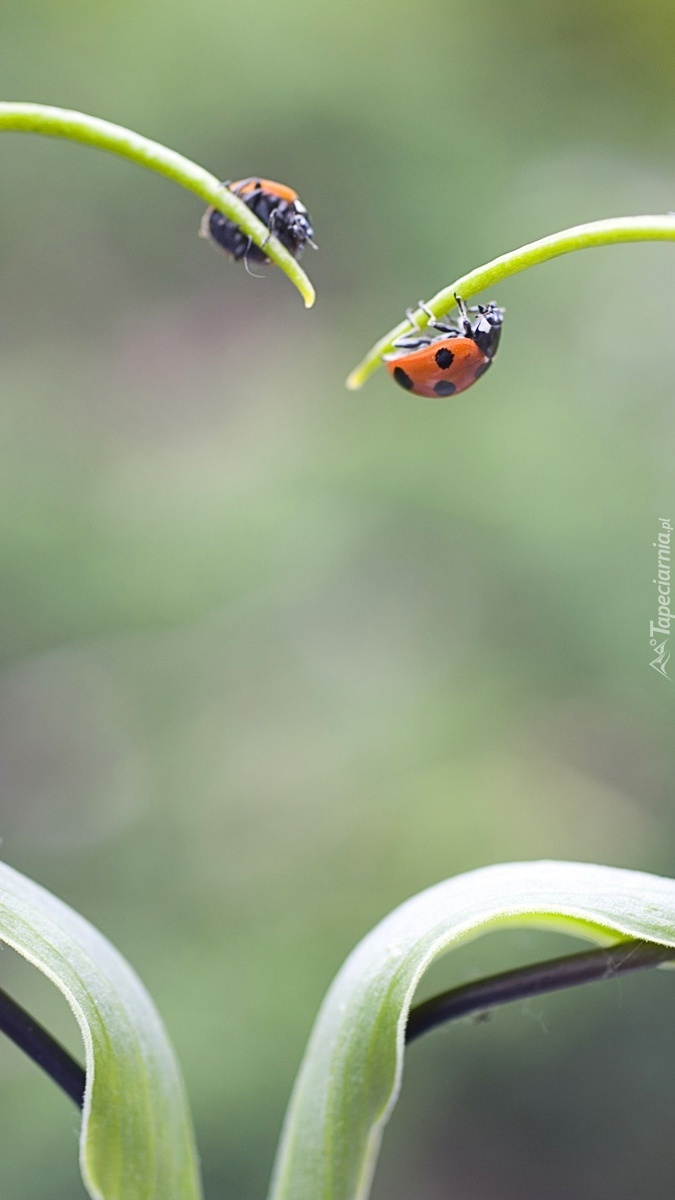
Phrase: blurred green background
(276, 656)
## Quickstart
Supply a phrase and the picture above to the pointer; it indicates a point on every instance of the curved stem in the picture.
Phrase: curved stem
(535, 980)
(80, 127)
(484, 994)
(579, 237)
(39, 1045)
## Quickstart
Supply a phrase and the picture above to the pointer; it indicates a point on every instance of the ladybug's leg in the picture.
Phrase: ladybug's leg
(411, 342)
(434, 323)
(416, 339)
(253, 274)
(410, 314)
(204, 228)
(265, 212)
(249, 247)
(271, 227)
(422, 337)
(464, 320)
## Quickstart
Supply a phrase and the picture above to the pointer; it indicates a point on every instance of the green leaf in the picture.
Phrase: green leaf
(136, 1141)
(351, 1074)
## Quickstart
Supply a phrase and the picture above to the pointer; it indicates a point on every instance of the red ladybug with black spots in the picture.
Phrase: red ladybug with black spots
(277, 206)
(443, 359)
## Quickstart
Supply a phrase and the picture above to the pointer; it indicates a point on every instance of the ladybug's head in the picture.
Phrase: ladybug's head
(292, 226)
(487, 327)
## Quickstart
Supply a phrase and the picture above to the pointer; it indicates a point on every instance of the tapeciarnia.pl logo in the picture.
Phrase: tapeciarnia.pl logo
(661, 626)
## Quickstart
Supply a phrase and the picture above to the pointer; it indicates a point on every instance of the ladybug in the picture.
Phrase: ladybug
(276, 205)
(452, 357)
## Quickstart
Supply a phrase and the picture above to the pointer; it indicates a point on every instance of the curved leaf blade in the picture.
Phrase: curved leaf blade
(136, 1141)
(350, 1077)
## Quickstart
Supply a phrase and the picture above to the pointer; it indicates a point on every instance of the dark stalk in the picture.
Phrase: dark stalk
(39, 1045)
(524, 982)
(478, 997)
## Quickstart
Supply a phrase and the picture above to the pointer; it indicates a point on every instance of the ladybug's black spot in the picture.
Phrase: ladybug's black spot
(444, 358)
(404, 380)
(482, 368)
(445, 388)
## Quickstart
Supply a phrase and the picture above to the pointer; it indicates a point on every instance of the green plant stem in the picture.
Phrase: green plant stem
(579, 237)
(91, 131)
(535, 980)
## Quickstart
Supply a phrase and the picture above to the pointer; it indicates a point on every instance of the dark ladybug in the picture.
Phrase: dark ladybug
(277, 206)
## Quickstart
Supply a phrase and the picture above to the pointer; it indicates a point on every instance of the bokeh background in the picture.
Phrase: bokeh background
(275, 656)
